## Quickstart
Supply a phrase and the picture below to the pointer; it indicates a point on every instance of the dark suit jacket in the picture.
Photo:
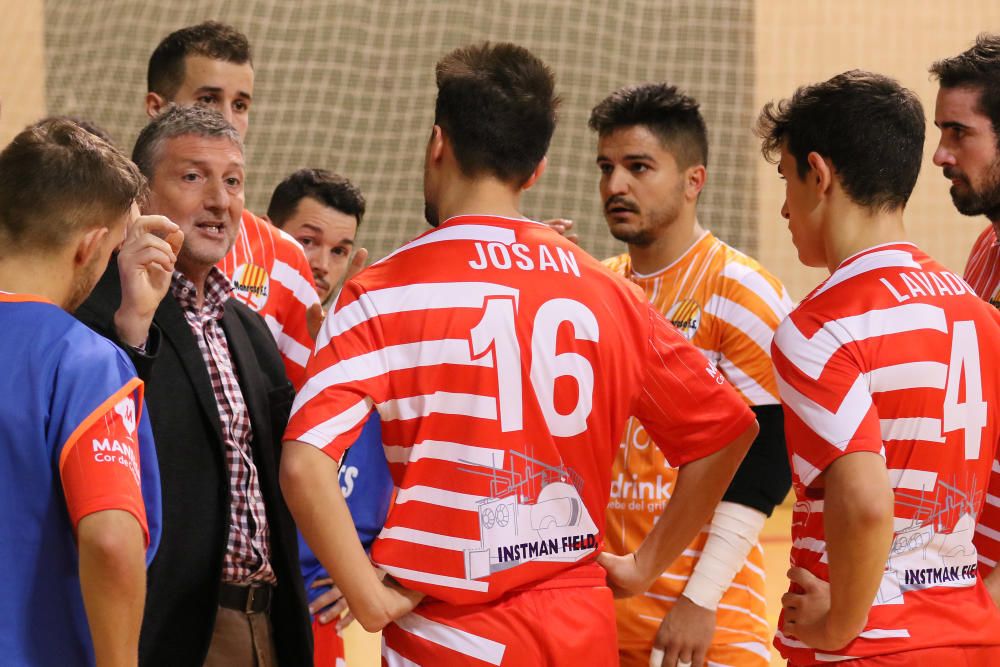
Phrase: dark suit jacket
(184, 579)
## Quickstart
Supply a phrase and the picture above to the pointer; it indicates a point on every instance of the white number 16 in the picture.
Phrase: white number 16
(497, 332)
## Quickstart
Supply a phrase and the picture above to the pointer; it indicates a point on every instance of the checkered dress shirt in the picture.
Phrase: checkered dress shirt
(247, 558)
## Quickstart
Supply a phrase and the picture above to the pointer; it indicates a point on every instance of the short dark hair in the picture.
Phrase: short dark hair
(977, 67)
(57, 179)
(177, 121)
(668, 113)
(497, 104)
(327, 188)
(210, 39)
(870, 128)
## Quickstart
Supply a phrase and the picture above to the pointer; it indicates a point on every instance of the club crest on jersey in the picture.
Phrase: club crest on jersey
(686, 316)
(251, 285)
(126, 410)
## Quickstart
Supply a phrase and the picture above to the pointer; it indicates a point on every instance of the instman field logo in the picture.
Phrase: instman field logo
(686, 316)
(251, 285)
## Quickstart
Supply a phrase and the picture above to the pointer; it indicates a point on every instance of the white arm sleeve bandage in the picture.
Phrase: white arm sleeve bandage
(732, 534)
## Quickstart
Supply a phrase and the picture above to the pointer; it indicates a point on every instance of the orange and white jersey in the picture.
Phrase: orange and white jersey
(271, 274)
(503, 361)
(982, 272)
(728, 306)
(895, 355)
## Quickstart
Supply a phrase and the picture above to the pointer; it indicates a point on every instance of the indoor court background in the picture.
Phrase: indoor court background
(349, 85)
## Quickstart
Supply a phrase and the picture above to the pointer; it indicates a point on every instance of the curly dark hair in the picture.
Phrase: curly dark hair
(868, 126)
(977, 67)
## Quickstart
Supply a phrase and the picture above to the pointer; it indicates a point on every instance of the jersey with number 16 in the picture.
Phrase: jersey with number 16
(503, 362)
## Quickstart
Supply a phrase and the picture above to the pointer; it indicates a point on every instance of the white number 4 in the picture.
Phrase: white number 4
(497, 332)
(969, 416)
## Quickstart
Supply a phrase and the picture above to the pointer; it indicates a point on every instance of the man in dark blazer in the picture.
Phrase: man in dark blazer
(225, 587)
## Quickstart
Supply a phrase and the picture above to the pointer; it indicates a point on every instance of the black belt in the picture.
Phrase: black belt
(248, 599)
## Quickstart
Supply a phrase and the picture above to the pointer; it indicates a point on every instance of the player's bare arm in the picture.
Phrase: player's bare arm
(687, 630)
(700, 485)
(113, 583)
(859, 531)
(146, 264)
(321, 514)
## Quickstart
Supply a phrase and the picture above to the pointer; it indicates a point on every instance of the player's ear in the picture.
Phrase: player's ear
(435, 145)
(536, 174)
(89, 245)
(695, 178)
(821, 172)
(154, 104)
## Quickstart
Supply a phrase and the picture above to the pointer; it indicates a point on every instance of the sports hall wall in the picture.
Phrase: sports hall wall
(348, 85)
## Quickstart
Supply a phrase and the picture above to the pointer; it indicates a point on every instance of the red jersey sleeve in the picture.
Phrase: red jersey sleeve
(685, 403)
(99, 464)
(827, 402)
(345, 377)
(294, 279)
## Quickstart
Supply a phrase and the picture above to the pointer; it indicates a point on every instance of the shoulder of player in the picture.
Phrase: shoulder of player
(745, 287)
(618, 264)
(986, 238)
(83, 351)
(744, 270)
(286, 247)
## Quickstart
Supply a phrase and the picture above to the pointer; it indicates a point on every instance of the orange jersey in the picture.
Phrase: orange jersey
(270, 274)
(982, 272)
(503, 361)
(728, 306)
(896, 356)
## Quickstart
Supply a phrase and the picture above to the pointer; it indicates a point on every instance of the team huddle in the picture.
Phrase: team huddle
(226, 438)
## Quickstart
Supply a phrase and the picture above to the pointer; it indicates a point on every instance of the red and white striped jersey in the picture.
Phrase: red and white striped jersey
(982, 272)
(503, 361)
(895, 355)
(271, 274)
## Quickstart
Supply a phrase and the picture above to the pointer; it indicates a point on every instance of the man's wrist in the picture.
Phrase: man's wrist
(840, 630)
(646, 567)
(132, 329)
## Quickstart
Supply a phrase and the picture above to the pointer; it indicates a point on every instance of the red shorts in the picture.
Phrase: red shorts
(945, 656)
(328, 646)
(557, 627)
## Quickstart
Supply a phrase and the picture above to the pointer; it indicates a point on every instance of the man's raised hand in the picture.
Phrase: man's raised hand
(146, 263)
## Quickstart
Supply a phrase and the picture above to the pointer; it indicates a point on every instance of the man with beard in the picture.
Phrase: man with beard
(225, 588)
(968, 114)
(322, 211)
(81, 505)
(652, 153)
